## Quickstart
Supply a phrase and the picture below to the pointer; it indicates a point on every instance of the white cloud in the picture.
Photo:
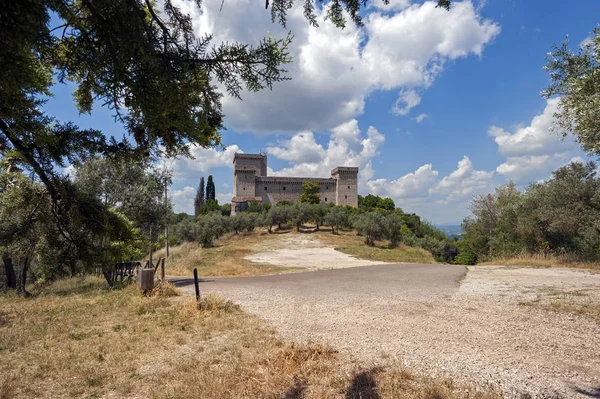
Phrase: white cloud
(421, 117)
(183, 200)
(533, 151)
(204, 160)
(393, 5)
(464, 182)
(413, 185)
(302, 147)
(407, 99)
(403, 46)
(536, 138)
(224, 198)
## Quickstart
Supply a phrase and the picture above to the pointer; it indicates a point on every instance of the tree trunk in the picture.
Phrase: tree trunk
(11, 281)
(22, 280)
(108, 275)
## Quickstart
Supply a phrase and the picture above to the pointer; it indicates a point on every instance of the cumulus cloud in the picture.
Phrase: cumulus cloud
(183, 200)
(401, 46)
(407, 99)
(203, 160)
(464, 182)
(533, 151)
(347, 146)
(413, 185)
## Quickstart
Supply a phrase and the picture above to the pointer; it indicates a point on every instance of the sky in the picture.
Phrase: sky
(434, 107)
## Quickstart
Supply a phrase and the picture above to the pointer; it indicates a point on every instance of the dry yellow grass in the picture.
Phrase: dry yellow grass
(574, 302)
(225, 259)
(76, 338)
(348, 242)
(543, 262)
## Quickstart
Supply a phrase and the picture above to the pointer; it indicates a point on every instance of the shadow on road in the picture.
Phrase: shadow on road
(364, 386)
(186, 281)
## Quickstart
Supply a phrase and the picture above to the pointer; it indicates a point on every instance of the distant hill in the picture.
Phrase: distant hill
(451, 230)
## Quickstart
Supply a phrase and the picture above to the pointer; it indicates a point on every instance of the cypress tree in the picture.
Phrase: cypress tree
(199, 200)
(210, 189)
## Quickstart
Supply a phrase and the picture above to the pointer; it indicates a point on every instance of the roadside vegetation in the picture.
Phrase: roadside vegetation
(77, 338)
(551, 223)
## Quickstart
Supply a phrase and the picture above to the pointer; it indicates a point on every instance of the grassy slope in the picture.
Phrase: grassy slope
(226, 258)
(348, 242)
(78, 339)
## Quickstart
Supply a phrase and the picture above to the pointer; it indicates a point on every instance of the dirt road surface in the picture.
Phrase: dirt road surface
(479, 324)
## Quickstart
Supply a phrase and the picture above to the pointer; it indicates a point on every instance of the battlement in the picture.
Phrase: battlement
(251, 183)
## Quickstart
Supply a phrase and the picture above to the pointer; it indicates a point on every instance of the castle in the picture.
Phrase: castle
(251, 183)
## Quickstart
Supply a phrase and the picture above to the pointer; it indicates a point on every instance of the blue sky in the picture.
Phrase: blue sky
(434, 107)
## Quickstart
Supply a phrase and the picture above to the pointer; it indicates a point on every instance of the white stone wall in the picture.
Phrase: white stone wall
(347, 188)
(273, 190)
(243, 183)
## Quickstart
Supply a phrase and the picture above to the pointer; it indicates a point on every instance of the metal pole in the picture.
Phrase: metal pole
(196, 284)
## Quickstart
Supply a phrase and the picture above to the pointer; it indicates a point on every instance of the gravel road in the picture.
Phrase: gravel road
(478, 324)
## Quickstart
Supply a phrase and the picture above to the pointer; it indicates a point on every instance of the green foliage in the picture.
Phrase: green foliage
(337, 217)
(371, 201)
(310, 193)
(372, 225)
(277, 215)
(285, 203)
(393, 229)
(212, 205)
(226, 209)
(137, 192)
(557, 216)
(575, 78)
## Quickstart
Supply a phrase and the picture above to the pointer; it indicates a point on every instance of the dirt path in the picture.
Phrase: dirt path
(304, 251)
(493, 327)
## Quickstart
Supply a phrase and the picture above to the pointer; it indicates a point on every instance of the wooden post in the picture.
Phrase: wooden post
(196, 284)
(162, 270)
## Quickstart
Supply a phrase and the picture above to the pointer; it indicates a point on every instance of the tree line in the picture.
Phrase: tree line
(388, 227)
(559, 216)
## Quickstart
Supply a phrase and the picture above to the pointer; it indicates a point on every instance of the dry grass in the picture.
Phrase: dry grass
(578, 303)
(542, 261)
(77, 339)
(349, 243)
(225, 259)
(165, 289)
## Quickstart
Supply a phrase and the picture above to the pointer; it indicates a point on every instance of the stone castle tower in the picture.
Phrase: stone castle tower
(251, 183)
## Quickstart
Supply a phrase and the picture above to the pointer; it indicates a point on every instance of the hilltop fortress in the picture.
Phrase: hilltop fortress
(251, 183)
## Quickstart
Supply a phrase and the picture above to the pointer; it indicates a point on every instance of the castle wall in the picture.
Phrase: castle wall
(243, 182)
(347, 186)
(275, 189)
(256, 161)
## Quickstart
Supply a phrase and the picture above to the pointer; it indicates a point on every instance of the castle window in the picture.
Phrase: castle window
(348, 187)
(325, 199)
(244, 188)
(326, 187)
(265, 188)
(345, 196)
(283, 188)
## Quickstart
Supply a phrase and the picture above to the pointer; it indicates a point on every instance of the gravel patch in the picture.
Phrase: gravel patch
(476, 331)
(305, 252)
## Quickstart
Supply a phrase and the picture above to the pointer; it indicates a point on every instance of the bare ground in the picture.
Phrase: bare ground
(496, 327)
(304, 251)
